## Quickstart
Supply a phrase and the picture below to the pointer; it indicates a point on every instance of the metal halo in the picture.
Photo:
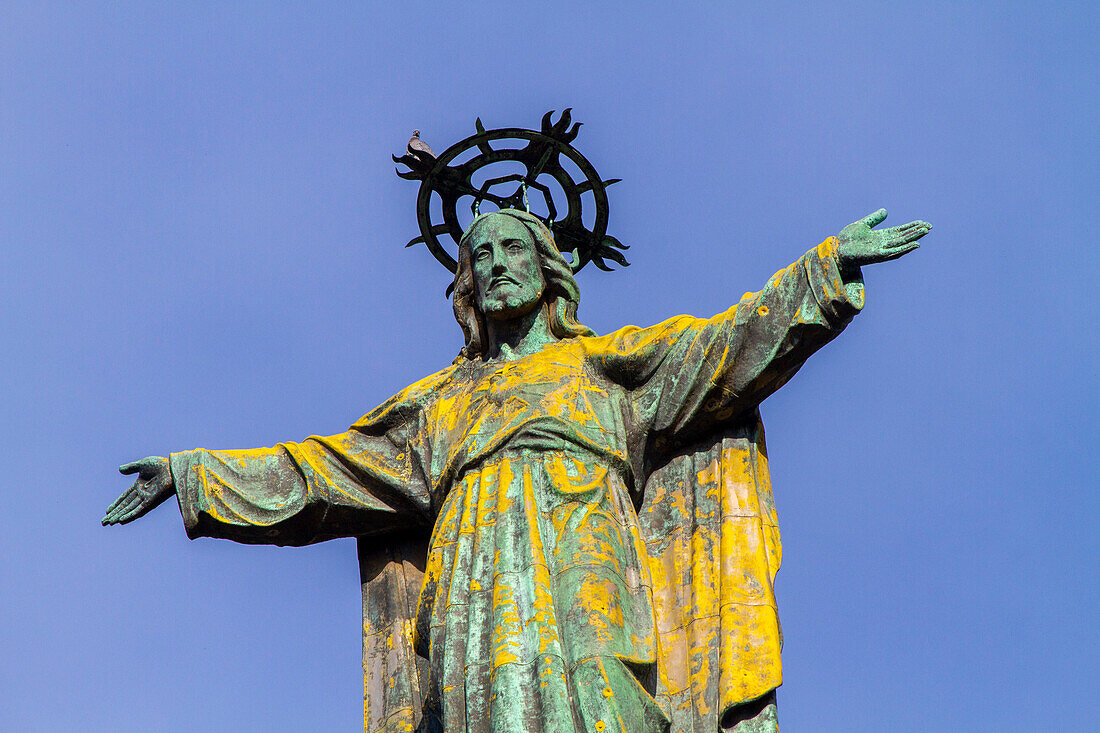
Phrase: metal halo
(541, 156)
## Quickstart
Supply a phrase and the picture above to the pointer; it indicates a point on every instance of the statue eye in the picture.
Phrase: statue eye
(481, 254)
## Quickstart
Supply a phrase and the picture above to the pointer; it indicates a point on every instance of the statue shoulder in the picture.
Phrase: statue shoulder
(408, 402)
(632, 338)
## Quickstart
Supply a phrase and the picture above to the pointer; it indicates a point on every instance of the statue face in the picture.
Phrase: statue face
(507, 269)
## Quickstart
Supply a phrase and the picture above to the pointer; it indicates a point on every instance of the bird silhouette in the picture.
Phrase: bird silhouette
(418, 148)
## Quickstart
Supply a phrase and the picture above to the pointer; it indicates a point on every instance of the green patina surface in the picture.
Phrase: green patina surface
(560, 531)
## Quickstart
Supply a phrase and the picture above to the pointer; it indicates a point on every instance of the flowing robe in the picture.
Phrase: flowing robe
(579, 539)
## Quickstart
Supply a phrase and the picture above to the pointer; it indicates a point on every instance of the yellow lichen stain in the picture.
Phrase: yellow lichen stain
(778, 277)
(708, 475)
(544, 619)
(447, 412)
(504, 477)
(702, 577)
(703, 640)
(827, 249)
(673, 667)
(762, 310)
(508, 627)
(600, 725)
(705, 578)
(546, 674)
(678, 503)
(583, 481)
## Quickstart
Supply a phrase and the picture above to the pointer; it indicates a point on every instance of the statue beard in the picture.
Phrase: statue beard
(511, 307)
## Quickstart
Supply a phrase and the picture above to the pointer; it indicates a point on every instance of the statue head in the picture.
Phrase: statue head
(508, 265)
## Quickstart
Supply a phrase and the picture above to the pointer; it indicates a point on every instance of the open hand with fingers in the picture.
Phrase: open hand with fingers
(150, 489)
(861, 245)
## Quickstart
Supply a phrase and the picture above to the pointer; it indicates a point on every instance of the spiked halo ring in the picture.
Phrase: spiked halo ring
(540, 155)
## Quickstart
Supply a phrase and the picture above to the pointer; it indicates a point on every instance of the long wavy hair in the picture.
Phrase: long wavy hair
(560, 298)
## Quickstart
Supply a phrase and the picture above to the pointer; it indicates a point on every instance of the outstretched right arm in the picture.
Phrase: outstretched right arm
(343, 485)
(371, 479)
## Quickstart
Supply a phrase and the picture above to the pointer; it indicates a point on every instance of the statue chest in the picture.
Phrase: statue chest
(554, 390)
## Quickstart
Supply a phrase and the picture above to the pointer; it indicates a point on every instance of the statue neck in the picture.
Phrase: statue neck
(518, 337)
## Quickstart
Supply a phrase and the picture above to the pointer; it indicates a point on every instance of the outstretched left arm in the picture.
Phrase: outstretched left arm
(690, 375)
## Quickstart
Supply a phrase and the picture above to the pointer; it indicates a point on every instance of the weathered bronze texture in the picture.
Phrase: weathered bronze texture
(560, 531)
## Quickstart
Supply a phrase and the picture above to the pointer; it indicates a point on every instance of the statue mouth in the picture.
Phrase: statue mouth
(498, 281)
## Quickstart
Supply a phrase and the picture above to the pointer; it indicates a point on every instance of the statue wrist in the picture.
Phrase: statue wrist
(849, 267)
(846, 264)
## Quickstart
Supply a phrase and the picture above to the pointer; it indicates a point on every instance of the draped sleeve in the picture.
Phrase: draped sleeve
(368, 480)
(688, 376)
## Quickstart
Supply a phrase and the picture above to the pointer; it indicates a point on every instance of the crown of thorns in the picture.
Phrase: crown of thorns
(544, 156)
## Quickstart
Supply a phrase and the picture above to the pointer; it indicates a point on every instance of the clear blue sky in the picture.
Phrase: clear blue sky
(201, 245)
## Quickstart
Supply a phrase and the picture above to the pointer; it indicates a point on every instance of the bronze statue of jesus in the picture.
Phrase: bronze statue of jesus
(584, 524)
